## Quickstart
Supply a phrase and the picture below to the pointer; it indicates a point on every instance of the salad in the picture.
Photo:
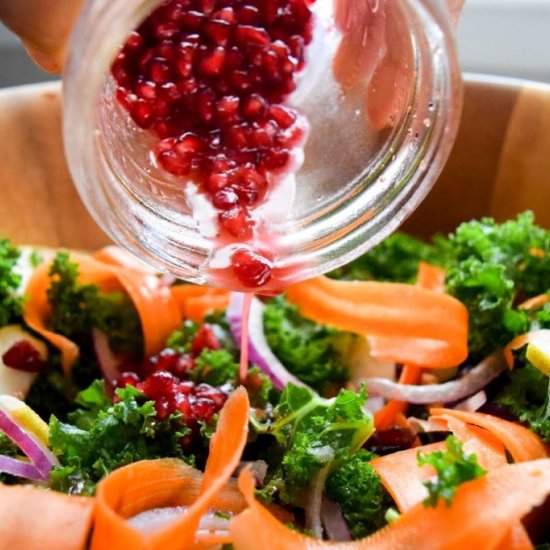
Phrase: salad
(399, 402)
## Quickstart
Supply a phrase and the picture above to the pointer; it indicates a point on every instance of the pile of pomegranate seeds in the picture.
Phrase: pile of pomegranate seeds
(164, 382)
(210, 78)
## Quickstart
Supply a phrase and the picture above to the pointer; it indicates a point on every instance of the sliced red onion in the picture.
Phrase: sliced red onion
(374, 404)
(19, 468)
(259, 351)
(313, 503)
(258, 468)
(472, 382)
(335, 525)
(473, 403)
(42, 458)
(108, 362)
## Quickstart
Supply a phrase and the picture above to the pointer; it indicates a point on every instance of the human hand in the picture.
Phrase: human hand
(43, 26)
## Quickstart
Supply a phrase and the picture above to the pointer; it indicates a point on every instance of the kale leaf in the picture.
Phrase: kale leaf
(10, 303)
(492, 266)
(359, 492)
(394, 259)
(215, 367)
(453, 467)
(526, 394)
(311, 434)
(103, 436)
(77, 308)
(312, 352)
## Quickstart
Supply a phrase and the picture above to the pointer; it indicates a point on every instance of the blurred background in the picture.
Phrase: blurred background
(502, 37)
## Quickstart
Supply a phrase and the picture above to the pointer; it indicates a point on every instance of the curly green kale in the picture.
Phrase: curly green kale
(453, 467)
(10, 303)
(312, 434)
(394, 259)
(493, 266)
(78, 308)
(359, 492)
(312, 352)
(526, 394)
(103, 436)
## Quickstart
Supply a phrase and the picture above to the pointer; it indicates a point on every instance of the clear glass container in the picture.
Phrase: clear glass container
(383, 113)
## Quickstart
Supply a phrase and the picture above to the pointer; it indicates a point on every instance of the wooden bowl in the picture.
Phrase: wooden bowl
(500, 165)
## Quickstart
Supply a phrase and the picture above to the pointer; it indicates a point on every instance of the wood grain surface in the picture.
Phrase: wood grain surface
(500, 165)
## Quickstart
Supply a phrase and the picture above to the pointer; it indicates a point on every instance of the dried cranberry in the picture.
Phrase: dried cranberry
(23, 356)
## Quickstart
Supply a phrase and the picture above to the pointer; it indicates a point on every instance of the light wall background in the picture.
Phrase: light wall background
(501, 37)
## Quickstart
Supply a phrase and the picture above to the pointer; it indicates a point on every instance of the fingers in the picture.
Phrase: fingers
(44, 27)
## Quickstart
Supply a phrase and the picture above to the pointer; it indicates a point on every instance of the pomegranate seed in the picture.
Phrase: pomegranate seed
(248, 15)
(174, 163)
(246, 35)
(283, 116)
(207, 6)
(127, 379)
(125, 97)
(225, 199)
(204, 409)
(186, 388)
(228, 108)
(208, 392)
(134, 41)
(212, 63)
(204, 339)
(237, 136)
(205, 104)
(237, 222)
(254, 107)
(218, 31)
(193, 20)
(188, 144)
(158, 384)
(216, 182)
(159, 70)
(143, 113)
(226, 14)
(23, 356)
(146, 90)
(275, 159)
(251, 269)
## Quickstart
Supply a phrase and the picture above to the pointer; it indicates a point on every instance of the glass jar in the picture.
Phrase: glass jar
(381, 92)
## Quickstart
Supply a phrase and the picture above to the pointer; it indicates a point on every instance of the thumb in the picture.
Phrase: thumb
(43, 26)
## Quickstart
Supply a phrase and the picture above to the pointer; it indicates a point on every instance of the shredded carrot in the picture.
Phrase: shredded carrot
(156, 483)
(521, 340)
(429, 277)
(196, 301)
(406, 324)
(469, 522)
(34, 518)
(522, 444)
(536, 302)
(158, 311)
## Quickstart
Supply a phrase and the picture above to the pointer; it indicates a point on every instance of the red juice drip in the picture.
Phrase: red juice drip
(211, 79)
(245, 319)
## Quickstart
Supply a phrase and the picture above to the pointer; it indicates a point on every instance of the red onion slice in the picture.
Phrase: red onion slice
(42, 458)
(473, 403)
(108, 362)
(259, 352)
(335, 525)
(19, 468)
(472, 382)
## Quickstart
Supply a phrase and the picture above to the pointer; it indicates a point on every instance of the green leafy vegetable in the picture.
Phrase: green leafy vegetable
(10, 304)
(526, 394)
(77, 308)
(394, 259)
(357, 489)
(453, 467)
(312, 433)
(312, 352)
(103, 436)
(215, 367)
